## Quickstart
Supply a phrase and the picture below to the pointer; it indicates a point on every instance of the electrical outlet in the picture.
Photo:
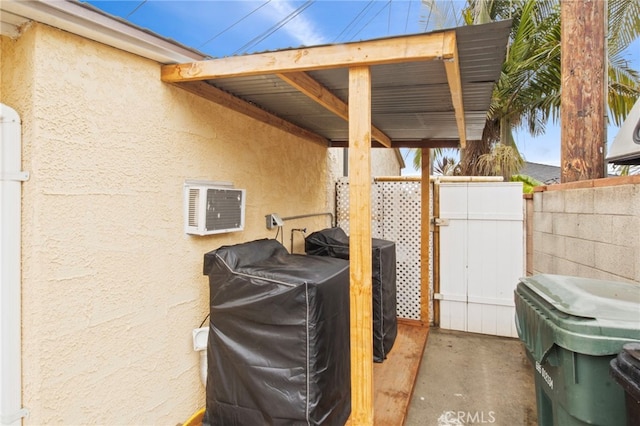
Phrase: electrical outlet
(274, 220)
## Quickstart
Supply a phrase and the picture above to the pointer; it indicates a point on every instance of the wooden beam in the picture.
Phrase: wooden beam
(223, 98)
(425, 240)
(360, 246)
(584, 78)
(422, 143)
(419, 47)
(345, 144)
(452, 67)
(427, 143)
(317, 92)
(436, 254)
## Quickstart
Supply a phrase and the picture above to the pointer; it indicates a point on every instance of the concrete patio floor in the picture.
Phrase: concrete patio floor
(468, 378)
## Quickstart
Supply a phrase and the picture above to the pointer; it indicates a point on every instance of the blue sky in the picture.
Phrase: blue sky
(224, 28)
(243, 23)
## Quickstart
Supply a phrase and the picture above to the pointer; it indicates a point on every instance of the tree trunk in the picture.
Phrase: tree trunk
(469, 155)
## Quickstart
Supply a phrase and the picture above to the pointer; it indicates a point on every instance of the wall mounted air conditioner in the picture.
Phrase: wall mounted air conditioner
(625, 148)
(213, 208)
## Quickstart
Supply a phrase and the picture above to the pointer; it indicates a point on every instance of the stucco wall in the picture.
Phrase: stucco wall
(589, 229)
(384, 162)
(112, 286)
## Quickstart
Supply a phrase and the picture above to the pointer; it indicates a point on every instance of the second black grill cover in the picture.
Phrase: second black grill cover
(334, 242)
(278, 350)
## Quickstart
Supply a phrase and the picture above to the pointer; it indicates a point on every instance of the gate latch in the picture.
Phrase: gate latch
(440, 222)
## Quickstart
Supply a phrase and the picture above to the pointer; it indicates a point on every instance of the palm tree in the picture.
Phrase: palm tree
(502, 160)
(528, 91)
(445, 166)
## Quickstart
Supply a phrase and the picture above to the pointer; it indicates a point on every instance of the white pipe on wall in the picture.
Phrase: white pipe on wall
(11, 178)
(204, 369)
(200, 344)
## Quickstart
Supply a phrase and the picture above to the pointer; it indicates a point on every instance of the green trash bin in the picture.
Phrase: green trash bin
(572, 328)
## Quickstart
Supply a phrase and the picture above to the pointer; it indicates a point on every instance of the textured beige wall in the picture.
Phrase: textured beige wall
(384, 162)
(112, 287)
(589, 232)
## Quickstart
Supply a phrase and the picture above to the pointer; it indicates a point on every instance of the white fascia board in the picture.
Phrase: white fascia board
(10, 24)
(87, 21)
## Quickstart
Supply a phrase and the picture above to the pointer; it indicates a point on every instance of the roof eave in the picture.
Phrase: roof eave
(92, 23)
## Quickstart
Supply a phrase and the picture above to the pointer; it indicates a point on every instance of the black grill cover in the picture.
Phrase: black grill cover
(335, 243)
(278, 350)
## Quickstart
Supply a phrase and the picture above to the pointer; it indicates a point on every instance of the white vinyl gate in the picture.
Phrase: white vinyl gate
(481, 256)
(481, 249)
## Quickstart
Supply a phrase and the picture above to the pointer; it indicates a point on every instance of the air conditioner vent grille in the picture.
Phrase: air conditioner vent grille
(224, 209)
(194, 198)
(211, 209)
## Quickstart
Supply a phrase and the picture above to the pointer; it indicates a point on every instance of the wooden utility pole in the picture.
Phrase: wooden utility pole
(584, 79)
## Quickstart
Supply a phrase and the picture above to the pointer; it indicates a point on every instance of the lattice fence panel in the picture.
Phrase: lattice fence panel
(342, 208)
(396, 217)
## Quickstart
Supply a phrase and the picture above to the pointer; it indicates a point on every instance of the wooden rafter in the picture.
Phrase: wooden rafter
(452, 67)
(221, 97)
(323, 96)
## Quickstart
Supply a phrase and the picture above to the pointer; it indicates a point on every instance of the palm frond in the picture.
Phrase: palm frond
(528, 183)
(624, 22)
(501, 161)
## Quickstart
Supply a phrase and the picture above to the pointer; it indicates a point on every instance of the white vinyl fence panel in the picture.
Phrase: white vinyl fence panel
(481, 249)
(481, 256)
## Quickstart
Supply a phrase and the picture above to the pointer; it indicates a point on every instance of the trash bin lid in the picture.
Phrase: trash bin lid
(593, 317)
(633, 349)
(588, 298)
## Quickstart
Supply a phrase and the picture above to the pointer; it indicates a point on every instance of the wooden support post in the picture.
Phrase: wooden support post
(583, 89)
(360, 246)
(425, 226)
(436, 254)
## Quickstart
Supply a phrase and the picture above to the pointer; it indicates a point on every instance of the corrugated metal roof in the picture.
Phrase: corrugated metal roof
(411, 101)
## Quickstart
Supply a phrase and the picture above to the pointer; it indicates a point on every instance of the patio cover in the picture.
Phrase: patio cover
(428, 90)
(425, 91)
(419, 91)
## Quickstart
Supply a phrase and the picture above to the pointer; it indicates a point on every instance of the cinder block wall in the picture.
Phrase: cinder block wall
(589, 229)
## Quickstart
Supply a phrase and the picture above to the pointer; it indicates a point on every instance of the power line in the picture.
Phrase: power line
(368, 22)
(406, 22)
(136, 8)
(350, 24)
(235, 23)
(426, 25)
(389, 20)
(273, 29)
